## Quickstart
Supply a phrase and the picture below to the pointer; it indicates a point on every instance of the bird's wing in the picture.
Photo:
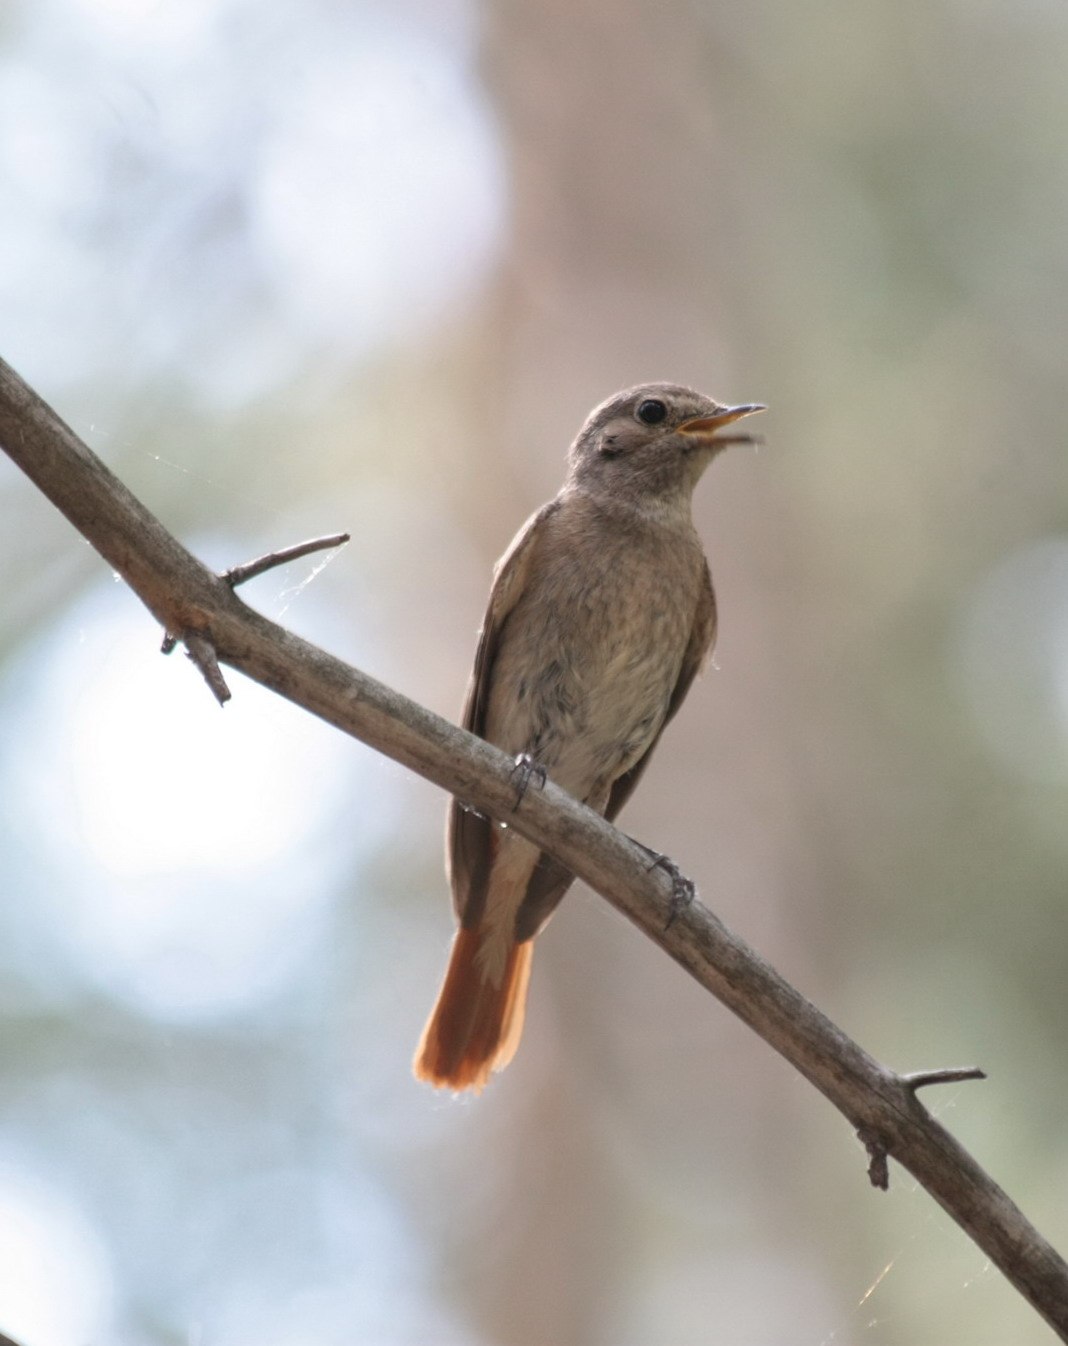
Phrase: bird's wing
(702, 638)
(469, 835)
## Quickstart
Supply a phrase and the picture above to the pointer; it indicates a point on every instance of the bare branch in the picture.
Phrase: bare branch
(241, 574)
(921, 1078)
(187, 598)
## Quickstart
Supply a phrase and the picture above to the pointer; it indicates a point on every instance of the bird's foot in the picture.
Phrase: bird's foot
(683, 890)
(525, 771)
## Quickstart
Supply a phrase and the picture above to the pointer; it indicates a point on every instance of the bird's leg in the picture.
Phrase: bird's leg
(683, 890)
(525, 771)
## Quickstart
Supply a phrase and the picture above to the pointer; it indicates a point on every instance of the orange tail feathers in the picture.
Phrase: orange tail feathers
(476, 1026)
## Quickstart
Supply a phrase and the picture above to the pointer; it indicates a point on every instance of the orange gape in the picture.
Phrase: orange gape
(476, 1024)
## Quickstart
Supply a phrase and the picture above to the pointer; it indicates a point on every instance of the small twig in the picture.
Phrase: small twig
(202, 653)
(239, 574)
(953, 1075)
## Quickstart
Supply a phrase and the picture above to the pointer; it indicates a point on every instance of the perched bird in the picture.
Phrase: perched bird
(600, 615)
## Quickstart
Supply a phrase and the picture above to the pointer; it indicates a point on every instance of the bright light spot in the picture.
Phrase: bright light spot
(159, 785)
(40, 159)
(157, 777)
(55, 1281)
(1012, 653)
(196, 850)
(345, 1270)
(244, 191)
(159, 24)
(380, 198)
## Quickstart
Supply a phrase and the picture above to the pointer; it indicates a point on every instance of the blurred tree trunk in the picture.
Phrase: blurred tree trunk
(622, 268)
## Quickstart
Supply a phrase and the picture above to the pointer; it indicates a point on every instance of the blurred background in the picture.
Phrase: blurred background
(316, 266)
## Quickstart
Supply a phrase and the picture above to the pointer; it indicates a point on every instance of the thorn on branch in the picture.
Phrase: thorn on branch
(239, 574)
(878, 1168)
(202, 653)
(954, 1075)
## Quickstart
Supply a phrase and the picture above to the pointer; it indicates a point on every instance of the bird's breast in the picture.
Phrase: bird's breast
(592, 651)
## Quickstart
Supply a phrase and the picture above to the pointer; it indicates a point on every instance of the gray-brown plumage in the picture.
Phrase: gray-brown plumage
(600, 616)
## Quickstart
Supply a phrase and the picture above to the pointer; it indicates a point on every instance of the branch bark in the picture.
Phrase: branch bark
(202, 610)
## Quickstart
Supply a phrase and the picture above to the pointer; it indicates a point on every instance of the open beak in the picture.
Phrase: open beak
(706, 428)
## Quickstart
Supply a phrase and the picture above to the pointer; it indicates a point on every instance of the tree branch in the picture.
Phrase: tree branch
(242, 574)
(202, 610)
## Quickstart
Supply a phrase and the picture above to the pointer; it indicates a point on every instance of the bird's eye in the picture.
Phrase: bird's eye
(652, 411)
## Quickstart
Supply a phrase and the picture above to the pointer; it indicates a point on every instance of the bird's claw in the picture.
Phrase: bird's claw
(525, 771)
(683, 890)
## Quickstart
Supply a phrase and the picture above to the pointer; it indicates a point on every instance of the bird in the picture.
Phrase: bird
(600, 615)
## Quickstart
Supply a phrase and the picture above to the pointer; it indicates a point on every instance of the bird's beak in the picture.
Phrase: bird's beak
(706, 428)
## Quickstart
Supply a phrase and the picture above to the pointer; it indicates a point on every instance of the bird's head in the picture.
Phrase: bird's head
(654, 441)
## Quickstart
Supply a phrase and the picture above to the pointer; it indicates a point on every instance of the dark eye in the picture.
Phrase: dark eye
(652, 411)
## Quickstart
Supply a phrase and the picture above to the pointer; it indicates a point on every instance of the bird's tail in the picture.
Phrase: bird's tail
(476, 1025)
